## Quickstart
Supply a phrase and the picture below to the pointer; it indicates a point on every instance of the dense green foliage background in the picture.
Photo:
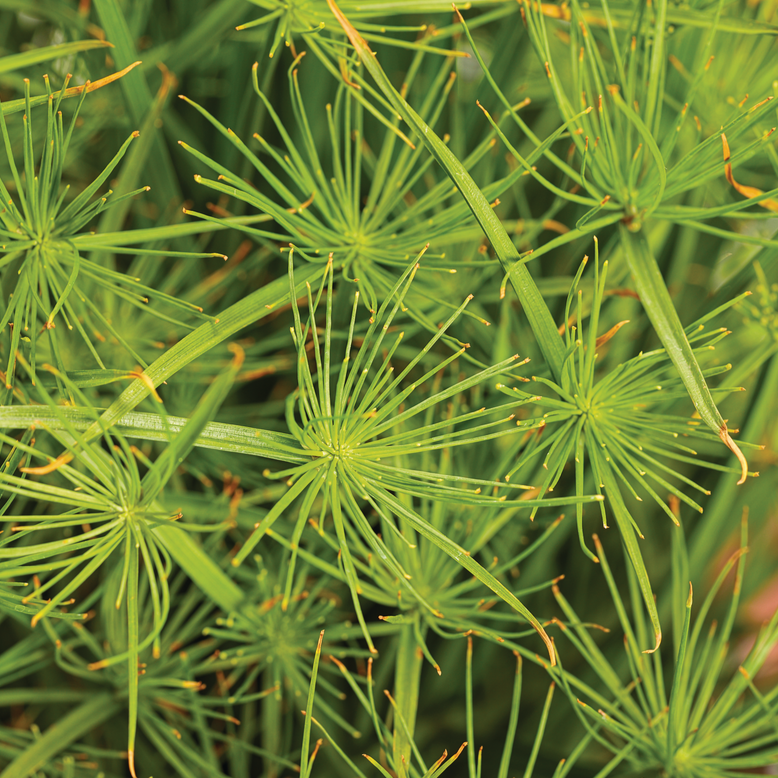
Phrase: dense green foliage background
(364, 368)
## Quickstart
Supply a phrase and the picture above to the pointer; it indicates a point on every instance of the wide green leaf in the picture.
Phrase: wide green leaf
(26, 59)
(659, 307)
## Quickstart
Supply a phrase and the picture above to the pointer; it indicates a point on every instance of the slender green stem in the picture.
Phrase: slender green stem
(408, 664)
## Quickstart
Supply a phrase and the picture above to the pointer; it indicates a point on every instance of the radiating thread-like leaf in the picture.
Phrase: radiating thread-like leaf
(534, 306)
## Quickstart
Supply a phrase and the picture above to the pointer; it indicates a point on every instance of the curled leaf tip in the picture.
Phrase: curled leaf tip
(746, 191)
(131, 763)
(735, 449)
(55, 464)
(239, 355)
(658, 643)
(603, 339)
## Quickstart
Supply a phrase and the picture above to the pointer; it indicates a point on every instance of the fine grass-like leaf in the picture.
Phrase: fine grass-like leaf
(133, 669)
(203, 339)
(632, 166)
(138, 96)
(311, 20)
(382, 465)
(319, 206)
(54, 284)
(716, 722)
(353, 434)
(15, 106)
(127, 511)
(305, 761)
(534, 306)
(70, 728)
(610, 423)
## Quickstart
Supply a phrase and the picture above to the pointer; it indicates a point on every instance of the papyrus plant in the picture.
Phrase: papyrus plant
(316, 554)
(353, 416)
(46, 278)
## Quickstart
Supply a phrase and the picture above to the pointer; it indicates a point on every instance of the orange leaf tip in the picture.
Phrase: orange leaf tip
(658, 643)
(735, 449)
